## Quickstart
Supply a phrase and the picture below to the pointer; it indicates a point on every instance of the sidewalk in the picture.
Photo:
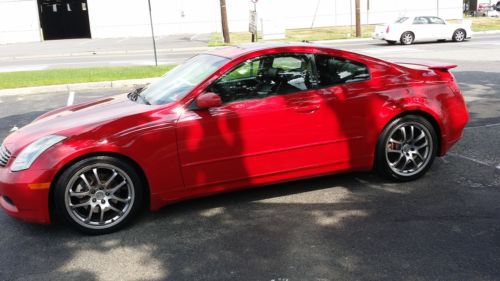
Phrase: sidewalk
(118, 84)
(79, 47)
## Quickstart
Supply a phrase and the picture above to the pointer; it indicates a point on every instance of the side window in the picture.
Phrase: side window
(334, 71)
(420, 20)
(266, 76)
(435, 20)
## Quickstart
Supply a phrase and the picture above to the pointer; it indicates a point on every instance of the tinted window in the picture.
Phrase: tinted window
(435, 20)
(266, 76)
(335, 71)
(420, 20)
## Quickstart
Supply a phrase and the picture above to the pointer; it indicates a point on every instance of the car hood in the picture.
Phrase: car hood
(76, 119)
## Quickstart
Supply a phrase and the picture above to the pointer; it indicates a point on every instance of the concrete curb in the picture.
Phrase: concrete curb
(486, 32)
(118, 84)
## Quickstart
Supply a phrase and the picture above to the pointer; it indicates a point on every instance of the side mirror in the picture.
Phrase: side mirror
(208, 100)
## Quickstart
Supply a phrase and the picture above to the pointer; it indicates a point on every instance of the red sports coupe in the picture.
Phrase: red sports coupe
(230, 119)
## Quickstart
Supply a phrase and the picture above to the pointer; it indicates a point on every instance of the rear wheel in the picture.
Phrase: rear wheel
(406, 148)
(459, 35)
(98, 195)
(407, 38)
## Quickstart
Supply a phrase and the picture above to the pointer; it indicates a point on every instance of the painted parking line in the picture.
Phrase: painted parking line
(71, 98)
(473, 160)
(483, 126)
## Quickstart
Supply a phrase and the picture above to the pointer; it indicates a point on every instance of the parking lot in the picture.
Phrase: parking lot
(357, 226)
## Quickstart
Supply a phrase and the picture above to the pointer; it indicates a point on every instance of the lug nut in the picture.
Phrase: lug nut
(94, 200)
(103, 201)
(107, 193)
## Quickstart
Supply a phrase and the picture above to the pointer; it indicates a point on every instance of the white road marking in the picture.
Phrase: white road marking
(194, 36)
(471, 159)
(15, 128)
(387, 50)
(23, 68)
(122, 40)
(71, 98)
(483, 126)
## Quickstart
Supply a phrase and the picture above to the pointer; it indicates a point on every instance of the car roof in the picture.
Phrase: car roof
(236, 51)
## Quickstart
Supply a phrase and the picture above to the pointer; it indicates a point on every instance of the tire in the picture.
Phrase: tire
(459, 35)
(98, 206)
(403, 156)
(407, 38)
(390, 42)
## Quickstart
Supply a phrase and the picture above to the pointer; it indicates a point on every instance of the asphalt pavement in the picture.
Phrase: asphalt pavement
(356, 226)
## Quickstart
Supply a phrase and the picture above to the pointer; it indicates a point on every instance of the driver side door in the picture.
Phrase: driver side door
(270, 127)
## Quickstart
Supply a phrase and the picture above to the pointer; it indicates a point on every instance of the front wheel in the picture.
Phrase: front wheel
(459, 35)
(406, 148)
(98, 195)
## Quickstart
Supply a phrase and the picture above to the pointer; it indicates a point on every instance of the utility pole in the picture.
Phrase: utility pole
(223, 14)
(152, 32)
(358, 18)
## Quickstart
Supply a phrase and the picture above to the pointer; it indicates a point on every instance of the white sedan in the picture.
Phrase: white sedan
(422, 28)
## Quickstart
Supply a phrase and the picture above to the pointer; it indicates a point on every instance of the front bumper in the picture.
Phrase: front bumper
(25, 195)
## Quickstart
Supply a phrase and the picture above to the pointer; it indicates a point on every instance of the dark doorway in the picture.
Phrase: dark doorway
(64, 19)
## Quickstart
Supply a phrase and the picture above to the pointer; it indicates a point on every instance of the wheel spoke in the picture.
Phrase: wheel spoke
(116, 188)
(101, 218)
(116, 209)
(397, 161)
(395, 141)
(414, 162)
(425, 144)
(91, 212)
(84, 178)
(111, 179)
(79, 194)
(403, 131)
(123, 200)
(96, 175)
(419, 155)
(87, 203)
(405, 164)
(421, 136)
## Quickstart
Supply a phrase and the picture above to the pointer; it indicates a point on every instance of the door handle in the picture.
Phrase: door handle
(307, 108)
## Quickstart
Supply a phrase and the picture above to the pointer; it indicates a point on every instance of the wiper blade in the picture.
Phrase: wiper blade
(136, 94)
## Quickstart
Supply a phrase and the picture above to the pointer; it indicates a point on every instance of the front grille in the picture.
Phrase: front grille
(4, 156)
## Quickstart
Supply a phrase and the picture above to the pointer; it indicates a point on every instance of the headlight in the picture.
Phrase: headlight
(30, 153)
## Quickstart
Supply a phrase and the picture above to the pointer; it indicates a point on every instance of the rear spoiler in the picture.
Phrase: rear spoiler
(430, 65)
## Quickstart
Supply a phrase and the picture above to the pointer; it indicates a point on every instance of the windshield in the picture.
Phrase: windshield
(176, 83)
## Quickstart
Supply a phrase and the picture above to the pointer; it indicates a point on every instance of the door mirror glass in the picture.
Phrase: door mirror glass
(208, 100)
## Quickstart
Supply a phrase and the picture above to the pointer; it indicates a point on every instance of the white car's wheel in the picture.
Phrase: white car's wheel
(407, 38)
(459, 35)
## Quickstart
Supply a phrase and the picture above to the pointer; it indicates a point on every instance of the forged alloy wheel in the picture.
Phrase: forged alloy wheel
(98, 195)
(459, 35)
(406, 148)
(407, 38)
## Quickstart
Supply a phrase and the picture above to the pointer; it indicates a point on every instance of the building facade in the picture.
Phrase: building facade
(36, 20)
